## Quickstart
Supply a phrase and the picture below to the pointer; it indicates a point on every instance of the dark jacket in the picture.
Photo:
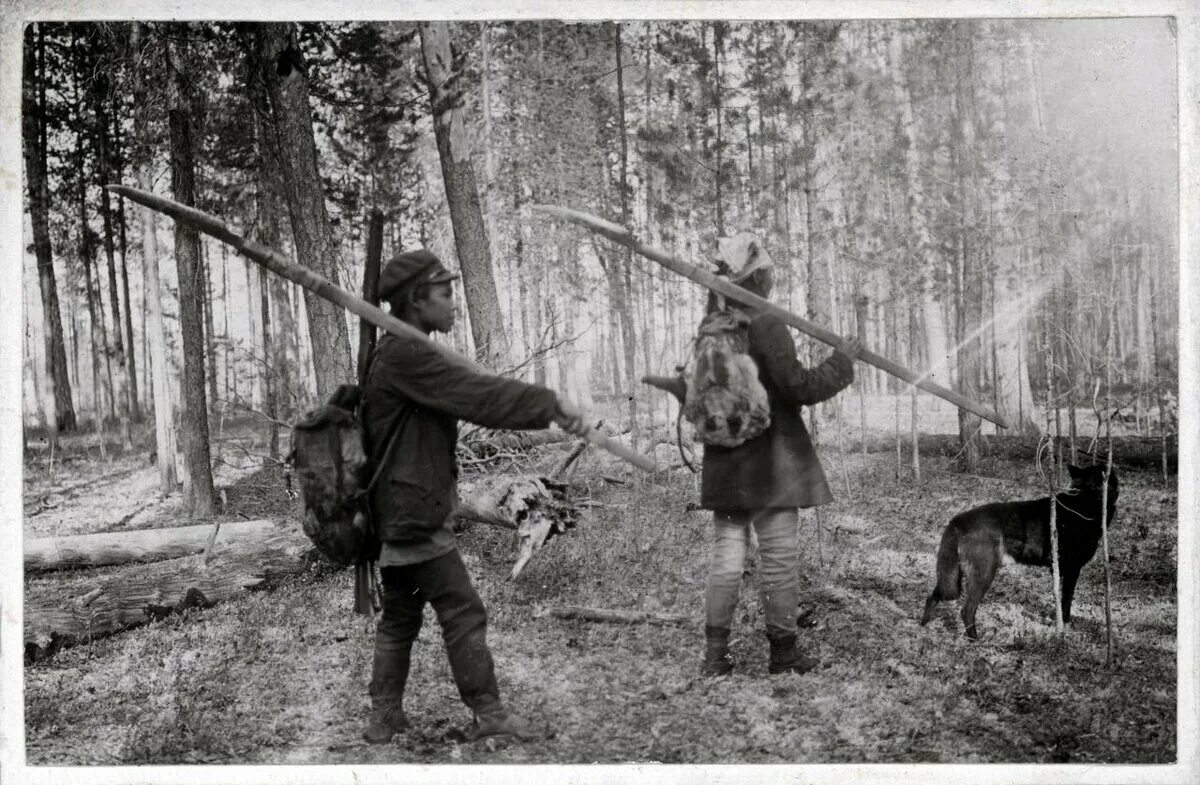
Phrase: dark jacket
(779, 467)
(417, 491)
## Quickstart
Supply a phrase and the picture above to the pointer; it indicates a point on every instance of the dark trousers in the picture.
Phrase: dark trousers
(443, 582)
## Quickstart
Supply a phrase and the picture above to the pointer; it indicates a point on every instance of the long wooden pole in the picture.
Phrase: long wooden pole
(318, 285)
(619, 234)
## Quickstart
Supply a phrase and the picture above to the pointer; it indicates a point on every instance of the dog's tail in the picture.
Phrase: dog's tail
(949, 573)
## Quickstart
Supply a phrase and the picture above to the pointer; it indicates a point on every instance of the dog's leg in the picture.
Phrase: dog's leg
(948, 573)
(984, 558)
(1070, 576)
(930, 605)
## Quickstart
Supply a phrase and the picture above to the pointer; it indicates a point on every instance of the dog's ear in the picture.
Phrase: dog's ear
(751, 251)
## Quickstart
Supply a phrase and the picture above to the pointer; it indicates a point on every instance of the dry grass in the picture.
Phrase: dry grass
(281, 676)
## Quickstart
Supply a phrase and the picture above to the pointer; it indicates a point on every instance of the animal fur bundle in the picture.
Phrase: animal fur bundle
(726, 403)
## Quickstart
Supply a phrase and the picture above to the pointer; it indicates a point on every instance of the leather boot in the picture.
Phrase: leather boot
(716, 652)
(386, 720)
(786, 658)
(498, 721)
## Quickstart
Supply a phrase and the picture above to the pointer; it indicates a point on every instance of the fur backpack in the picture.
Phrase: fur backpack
(329, 464)
(725, 402)
(332, 468)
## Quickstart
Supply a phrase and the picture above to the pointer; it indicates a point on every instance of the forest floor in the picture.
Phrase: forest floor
(280, 676)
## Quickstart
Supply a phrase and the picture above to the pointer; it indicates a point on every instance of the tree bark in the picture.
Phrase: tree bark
(470, 236)
(182, 124)
(282, 68)
(160, 381)
(279, 328)
(33, 118)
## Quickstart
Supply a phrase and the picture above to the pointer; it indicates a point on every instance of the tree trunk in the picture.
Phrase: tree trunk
(718, 38)
(252, 304)
(98, 87)
(229, 388)
(74, 317)
(210, 338)
(283, 70)
(182, 122)
(95, 313)
(817, 292)
(32, 120)
(164, 415)
(489, 157)
(621, 271)
(86, 252)
(1055, 567)
(135, 409)
(164, 430)
(470, 236)
(967, 275)
(279, 328)
(525, 328)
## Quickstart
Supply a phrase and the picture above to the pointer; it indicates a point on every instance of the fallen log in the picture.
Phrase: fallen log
(62, 613)
(611, 615)
(142, 545)
(504, 501)
(169, 570)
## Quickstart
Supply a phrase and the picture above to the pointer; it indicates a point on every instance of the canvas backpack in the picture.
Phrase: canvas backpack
(726, 402)
(335, 477)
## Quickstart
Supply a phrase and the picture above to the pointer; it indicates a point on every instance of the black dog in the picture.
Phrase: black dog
(978, 541)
